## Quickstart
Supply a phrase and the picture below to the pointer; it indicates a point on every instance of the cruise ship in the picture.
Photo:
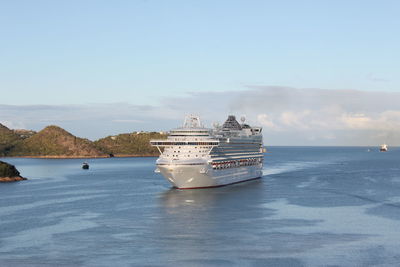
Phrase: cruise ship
(197, 157)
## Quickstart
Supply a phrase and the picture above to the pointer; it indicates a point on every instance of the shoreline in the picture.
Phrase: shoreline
(12, 179)
(84, 157)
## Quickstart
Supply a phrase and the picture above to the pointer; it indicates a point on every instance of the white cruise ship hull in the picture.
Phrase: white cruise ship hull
(204, 176)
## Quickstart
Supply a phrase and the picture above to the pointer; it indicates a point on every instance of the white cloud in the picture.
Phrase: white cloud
(128, 120)
(356, 121)
(13, 125)
(299, 120)
(265, 121)
(289, 115)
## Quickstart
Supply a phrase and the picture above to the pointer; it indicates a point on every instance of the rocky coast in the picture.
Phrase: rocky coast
(8, 173)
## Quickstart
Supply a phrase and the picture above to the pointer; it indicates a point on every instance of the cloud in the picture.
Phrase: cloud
(13, 124)
(128, 120)
(356, 121)
(307, 116)
(290, 116)
(373, 78)
(91, 120)
(266, 121)
(295, 120)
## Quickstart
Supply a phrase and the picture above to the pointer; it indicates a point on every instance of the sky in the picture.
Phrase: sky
(310, 72)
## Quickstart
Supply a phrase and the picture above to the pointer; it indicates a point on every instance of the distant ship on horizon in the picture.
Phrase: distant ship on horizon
(383, 148)
(197, 157)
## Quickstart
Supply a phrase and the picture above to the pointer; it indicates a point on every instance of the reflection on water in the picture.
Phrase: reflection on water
(195, 221)
(207, 198)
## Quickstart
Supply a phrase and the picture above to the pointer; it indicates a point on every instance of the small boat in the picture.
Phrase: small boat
(85, 166)
(383, 148)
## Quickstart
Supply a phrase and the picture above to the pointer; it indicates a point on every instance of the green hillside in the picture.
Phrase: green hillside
(55, 141)
(8, 140)
(130, 144)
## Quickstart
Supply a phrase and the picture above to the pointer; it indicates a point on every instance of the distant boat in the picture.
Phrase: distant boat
(383, 148)
(85, 166)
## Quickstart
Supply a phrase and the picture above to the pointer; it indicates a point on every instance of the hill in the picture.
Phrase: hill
(8, 173)
(54, 141)
(8, 139)
(130, 144)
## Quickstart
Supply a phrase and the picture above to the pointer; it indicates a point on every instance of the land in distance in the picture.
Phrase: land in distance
(55, 142)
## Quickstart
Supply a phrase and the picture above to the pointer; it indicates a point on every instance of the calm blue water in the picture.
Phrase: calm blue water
(313, 207)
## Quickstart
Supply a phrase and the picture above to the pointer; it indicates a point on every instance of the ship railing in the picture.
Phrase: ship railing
(162, 143)
(166, 143)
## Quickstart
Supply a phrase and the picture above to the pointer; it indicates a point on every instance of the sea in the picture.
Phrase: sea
(314, 206)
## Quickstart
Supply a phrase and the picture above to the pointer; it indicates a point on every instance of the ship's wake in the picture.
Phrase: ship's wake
(288, 167)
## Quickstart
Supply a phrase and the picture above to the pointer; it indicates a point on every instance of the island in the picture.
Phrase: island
(8, 173)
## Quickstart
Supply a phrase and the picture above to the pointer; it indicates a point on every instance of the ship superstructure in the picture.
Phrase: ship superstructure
(197, 157)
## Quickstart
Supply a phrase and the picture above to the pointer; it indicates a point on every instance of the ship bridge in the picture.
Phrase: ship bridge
(192, 126)
(190, 132)
(190, 140)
